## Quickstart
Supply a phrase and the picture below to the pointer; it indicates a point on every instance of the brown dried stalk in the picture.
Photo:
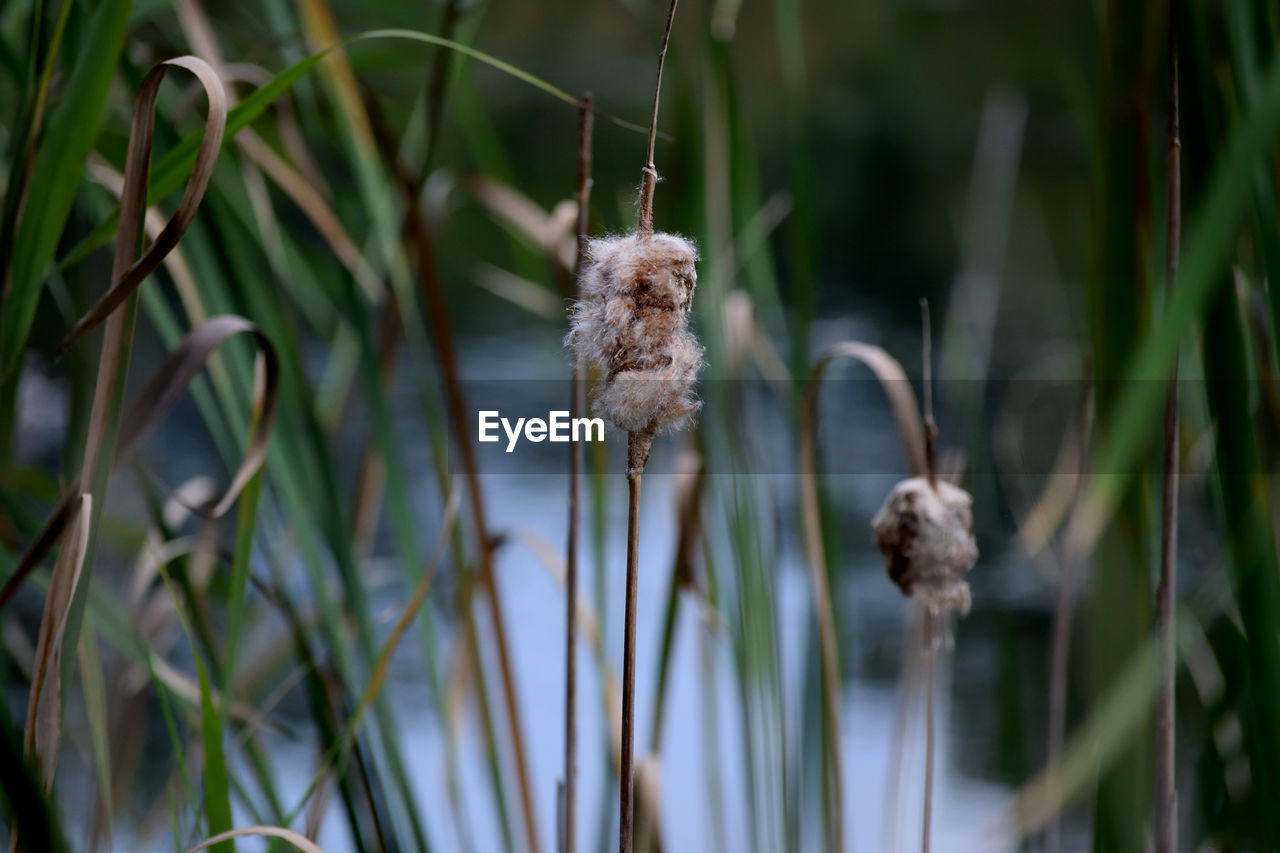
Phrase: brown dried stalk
(578, 403)
(930, 636)
(637, 456)
(893, 379)
(925, 532)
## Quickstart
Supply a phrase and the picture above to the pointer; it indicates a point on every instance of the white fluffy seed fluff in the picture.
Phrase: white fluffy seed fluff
(632, 321)
(926, 536)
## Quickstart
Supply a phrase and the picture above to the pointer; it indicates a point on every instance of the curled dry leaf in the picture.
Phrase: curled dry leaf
(894, 381)
(42, 733)
(44, 703)
(896, 386)
(178, 370)
(127, 276)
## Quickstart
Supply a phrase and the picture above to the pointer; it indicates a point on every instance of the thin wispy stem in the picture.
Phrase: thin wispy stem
(649, 177)
(930, 427)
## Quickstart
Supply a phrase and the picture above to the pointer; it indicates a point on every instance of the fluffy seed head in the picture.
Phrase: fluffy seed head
(926, 536)
(632, 321)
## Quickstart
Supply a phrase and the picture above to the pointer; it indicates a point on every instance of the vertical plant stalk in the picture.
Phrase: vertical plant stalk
(1166, 792)
(578, 404)
(930, 656)
(930, 426)
(638, 444)
(930, 635)
(823, 609)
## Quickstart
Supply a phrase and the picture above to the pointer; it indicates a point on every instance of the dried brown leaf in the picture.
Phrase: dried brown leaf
(133, 204)
(44, 703)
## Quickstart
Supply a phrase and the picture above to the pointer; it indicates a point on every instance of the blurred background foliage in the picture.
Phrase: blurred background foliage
(367, 648)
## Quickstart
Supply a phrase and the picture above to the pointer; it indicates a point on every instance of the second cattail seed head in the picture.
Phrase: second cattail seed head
(632, 322)
(925, 532)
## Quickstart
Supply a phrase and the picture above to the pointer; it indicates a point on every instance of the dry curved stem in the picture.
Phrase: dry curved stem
(297, 839)
(898, 389)
(127, 276)
(893, 379)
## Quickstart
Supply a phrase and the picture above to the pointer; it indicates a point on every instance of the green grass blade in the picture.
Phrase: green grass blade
(1255, 574)
(217, 795)
(246, 522)
(56, 173)
(1211, 237)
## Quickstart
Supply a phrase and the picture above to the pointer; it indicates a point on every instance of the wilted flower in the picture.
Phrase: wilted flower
(926, 535)
(632, 321)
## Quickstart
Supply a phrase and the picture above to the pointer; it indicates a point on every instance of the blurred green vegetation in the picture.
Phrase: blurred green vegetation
(386, 216)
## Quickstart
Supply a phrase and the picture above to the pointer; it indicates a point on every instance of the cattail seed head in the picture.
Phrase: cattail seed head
(926, 535)
(632, 322)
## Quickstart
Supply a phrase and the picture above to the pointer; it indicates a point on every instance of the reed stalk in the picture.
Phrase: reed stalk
(930, 634)
(578, 404)
(638, 443)
(626, 772)
(930, 665)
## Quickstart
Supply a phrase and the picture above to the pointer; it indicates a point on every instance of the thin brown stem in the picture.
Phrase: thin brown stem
(930, 427)
(823, 608)
(638, 444)
(578, 404)
(930, 664)
(626, 771)
(1166, 792)
(649, 176)
(442, 336)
